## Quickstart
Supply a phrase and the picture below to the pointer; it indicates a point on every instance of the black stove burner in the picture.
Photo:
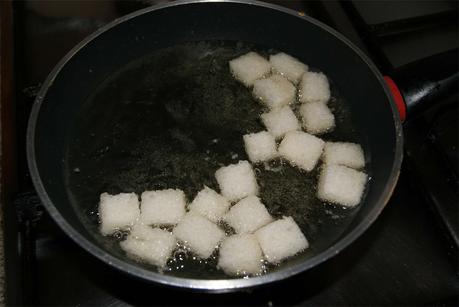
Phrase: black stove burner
(408, 257)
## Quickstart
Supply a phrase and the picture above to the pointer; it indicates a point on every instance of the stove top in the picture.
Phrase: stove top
(408, 257)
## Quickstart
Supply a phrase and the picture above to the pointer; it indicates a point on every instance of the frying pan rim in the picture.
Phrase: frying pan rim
(220, 285)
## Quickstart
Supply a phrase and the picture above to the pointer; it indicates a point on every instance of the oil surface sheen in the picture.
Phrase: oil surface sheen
(170, 120)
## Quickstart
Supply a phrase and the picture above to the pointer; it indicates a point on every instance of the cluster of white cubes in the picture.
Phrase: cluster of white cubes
(278, 93)
(244, 253)
(258, 236)
(196, 225)
(239, 254)
(341, 180)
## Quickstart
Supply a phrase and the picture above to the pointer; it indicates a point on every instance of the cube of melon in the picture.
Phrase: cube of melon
(248, 215)
(288, 66)
(281, 239)
(118, 212)
(155, 249)
(249, 67)
(347, 154)
(199, 234)
(162, 207)
(275, 91)
(341, 185)
(280, 121)
(314, 87)
(301, 149)
(237, 181)
(140, 231)
(240, 255)
(260, 146)
(210, 204)
(317, 117)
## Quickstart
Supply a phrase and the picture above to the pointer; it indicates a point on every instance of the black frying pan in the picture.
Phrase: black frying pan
(138, 105)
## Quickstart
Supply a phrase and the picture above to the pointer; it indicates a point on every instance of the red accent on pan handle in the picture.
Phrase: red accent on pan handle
(398, 98)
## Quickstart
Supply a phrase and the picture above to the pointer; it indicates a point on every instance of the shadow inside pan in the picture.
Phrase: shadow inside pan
(169, 120)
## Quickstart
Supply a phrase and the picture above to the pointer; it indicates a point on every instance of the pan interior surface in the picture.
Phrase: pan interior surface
(170, 120)
(113, 117)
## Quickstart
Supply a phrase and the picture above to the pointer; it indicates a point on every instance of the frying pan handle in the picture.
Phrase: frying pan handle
(417, 86)
(398, 98)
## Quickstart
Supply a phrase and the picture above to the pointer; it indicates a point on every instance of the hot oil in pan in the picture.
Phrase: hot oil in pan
(170, 120)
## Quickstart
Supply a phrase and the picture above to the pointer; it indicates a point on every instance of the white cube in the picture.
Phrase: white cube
(249, 67)
(156, 249)
(260, 146)
(237, 181)
(314, 87)
(118, 212)
(199, 234)
(288, 66)
(301, 149)
(248, 215)
(280, 121)
(317, 117)
(162, 207)
(240, 255)
(275, 91)
(347, 154)
(281, 239)
(341, 185)
(210, 204)
(140, 231)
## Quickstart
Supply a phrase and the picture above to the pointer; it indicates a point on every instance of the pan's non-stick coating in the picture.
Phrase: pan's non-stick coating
(88, 69)
(170, 120)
